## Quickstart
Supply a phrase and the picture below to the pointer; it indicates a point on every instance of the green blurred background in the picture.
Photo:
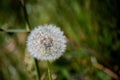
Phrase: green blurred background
(91, 27)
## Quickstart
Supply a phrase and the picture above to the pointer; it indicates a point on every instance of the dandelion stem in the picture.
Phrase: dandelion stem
(49, 72)
(23, 5)
(28, 28)
(37, 69)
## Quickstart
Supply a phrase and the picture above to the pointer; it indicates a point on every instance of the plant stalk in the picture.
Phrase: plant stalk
(28, 28)
(49, 72)
(37, 69)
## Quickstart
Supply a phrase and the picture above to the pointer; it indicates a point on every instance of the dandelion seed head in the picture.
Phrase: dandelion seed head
(46, 42)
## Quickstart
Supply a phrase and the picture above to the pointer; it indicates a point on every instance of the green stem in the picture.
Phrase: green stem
(28, 28)
(23, 5)
(13, 30)
(37, 69)
(49, 72)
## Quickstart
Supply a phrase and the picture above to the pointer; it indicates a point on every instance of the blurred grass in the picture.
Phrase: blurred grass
(91, 30)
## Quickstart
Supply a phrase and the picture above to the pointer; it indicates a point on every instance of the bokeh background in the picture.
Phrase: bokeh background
(92, 30)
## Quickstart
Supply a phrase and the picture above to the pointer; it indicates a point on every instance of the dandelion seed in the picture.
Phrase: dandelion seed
(46, 42)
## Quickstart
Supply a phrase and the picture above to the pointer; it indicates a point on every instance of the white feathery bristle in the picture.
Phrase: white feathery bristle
(46, 42)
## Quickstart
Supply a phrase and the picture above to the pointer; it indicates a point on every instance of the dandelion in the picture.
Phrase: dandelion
(46, 42)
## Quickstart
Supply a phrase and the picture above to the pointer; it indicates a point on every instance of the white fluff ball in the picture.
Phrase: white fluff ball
(46, 42)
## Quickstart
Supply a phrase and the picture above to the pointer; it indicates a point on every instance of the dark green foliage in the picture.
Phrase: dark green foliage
(92, 31)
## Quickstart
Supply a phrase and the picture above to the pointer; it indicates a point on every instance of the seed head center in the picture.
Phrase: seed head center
(47, 42)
